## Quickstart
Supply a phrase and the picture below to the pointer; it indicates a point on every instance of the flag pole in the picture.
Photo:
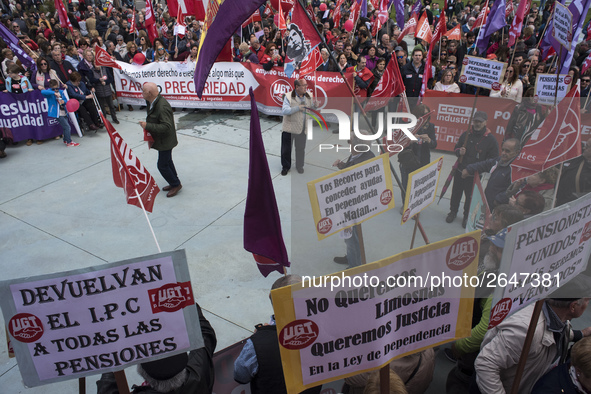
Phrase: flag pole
(147, 219)
(557, 77)
(129, 177)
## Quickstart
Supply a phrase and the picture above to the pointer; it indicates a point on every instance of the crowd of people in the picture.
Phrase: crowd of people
(66, 64)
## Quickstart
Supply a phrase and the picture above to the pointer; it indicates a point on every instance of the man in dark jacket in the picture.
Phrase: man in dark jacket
(179, 374)
(500, 173)
(160, 124)
(476, 144)
(412, 74)
(259, 362)
(63, 68)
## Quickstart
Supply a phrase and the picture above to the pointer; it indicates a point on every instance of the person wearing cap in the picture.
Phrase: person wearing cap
(500, 173)
(259, 362)
(476, 144)
(179, 374)
(496, 364)
(464, 351)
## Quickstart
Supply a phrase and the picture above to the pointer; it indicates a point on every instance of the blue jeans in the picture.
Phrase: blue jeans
(66, 129)
(166, 168)
(353, 249)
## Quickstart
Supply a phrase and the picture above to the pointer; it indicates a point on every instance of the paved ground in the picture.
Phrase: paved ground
(60, 210)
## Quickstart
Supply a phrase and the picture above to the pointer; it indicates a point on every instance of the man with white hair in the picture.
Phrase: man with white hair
(327, 63)
(468, 26)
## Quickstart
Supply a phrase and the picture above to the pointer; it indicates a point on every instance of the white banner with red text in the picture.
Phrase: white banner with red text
(227, 85)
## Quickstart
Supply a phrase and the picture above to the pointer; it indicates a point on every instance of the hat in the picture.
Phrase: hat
(481, 116)
(451, 58)
(499, 238)
(166, 368)
(575, 289)
(398, 48)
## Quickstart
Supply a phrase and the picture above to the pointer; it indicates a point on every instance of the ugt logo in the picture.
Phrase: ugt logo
(393, 121)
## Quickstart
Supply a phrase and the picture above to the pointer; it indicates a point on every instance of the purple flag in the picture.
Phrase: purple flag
(416, 9)
(233, 14)
(363, 4)
(495, 22)
(579, 9)
(399, 7)
(12, 41)
(262, 225)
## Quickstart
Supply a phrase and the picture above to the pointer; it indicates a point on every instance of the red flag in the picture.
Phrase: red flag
(355, 11)
(455, 33)
(586, 64)
(517, 24)
(426, 73)
(129, 173)
(109, 9)
(441, 28)
(311, 62)
(180, 28)
(102, 58)
(337, 13)
(189, 7)
(63, 15)
(255, 17)
(424, 29)
(262, 223)
(281, 25)
(409, 27)
(150, 21)
(588, 32)
(509, 8)
(390, 85)
(132, 27)
(481, 20)
(556, 140)
(268, 11)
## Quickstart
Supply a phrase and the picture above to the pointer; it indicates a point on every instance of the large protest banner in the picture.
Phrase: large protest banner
(483, 73)
(226, 87)
(98, 319)
(452, 115)
(360, 319)
(421, 189)
(25, 115)
(546, 90)
(351, 196)
(541, 254)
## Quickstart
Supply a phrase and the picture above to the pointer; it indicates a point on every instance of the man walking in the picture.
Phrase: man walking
(160, 124)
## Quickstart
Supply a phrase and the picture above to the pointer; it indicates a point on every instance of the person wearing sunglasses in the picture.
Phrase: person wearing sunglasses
(44, 74)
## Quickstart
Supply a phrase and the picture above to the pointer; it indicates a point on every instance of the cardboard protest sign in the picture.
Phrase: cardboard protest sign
(484, 73)
(351, 196)
(479, 215)
(98, 319)
(546, 90)
(563, 25)
(360, 319)
(541, 254)
(421, 189)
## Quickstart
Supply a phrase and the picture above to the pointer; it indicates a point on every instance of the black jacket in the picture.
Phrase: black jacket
(481, 145)
(499, 181)
(412, 79)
